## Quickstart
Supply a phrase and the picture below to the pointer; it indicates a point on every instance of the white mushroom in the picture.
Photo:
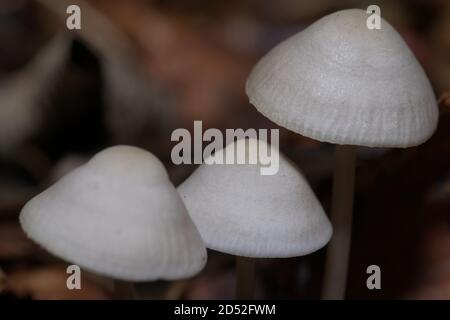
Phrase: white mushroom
(119, 216)
(340, 82)
(241, 212)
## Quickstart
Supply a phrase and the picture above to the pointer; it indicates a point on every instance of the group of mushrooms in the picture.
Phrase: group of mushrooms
(337, 81)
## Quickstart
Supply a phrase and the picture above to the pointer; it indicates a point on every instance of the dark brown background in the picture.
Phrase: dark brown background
(159, 65)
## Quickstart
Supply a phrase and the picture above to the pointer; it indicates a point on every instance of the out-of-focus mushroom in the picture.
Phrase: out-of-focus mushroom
(133, 98)
(23, 93)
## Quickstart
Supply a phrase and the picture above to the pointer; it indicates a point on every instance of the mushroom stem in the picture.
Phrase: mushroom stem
(245, 285)
(176, 289)
(123, 290)
(338, 252)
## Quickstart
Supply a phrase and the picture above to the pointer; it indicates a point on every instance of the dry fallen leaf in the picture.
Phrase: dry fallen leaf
(206, 80)
(49, 283)
(13, 242)
(433, 282)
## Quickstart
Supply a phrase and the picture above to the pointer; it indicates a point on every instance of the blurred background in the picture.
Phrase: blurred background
(140, 69)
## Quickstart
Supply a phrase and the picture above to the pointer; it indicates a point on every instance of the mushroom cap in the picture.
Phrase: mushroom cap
(241, 212)
(340, 82)
(120, 216)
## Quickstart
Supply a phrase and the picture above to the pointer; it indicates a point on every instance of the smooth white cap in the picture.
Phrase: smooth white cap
(118, 215)
(241, 212)
(340, 82)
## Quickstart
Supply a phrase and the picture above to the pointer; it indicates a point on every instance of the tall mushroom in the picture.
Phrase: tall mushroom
(118, 215)
(241, 212)
(340, 82)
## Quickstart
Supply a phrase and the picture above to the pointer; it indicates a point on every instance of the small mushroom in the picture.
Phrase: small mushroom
(340, 82)
(241, 212)
(118, 215)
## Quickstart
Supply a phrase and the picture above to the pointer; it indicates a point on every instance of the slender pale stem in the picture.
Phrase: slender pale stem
(123, 290)
(176, 290)
(245, 286)
(336, 266)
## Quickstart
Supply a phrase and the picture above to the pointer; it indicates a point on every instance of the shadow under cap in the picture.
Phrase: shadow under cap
(128, 229)
(340, 82)
(241, 212)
